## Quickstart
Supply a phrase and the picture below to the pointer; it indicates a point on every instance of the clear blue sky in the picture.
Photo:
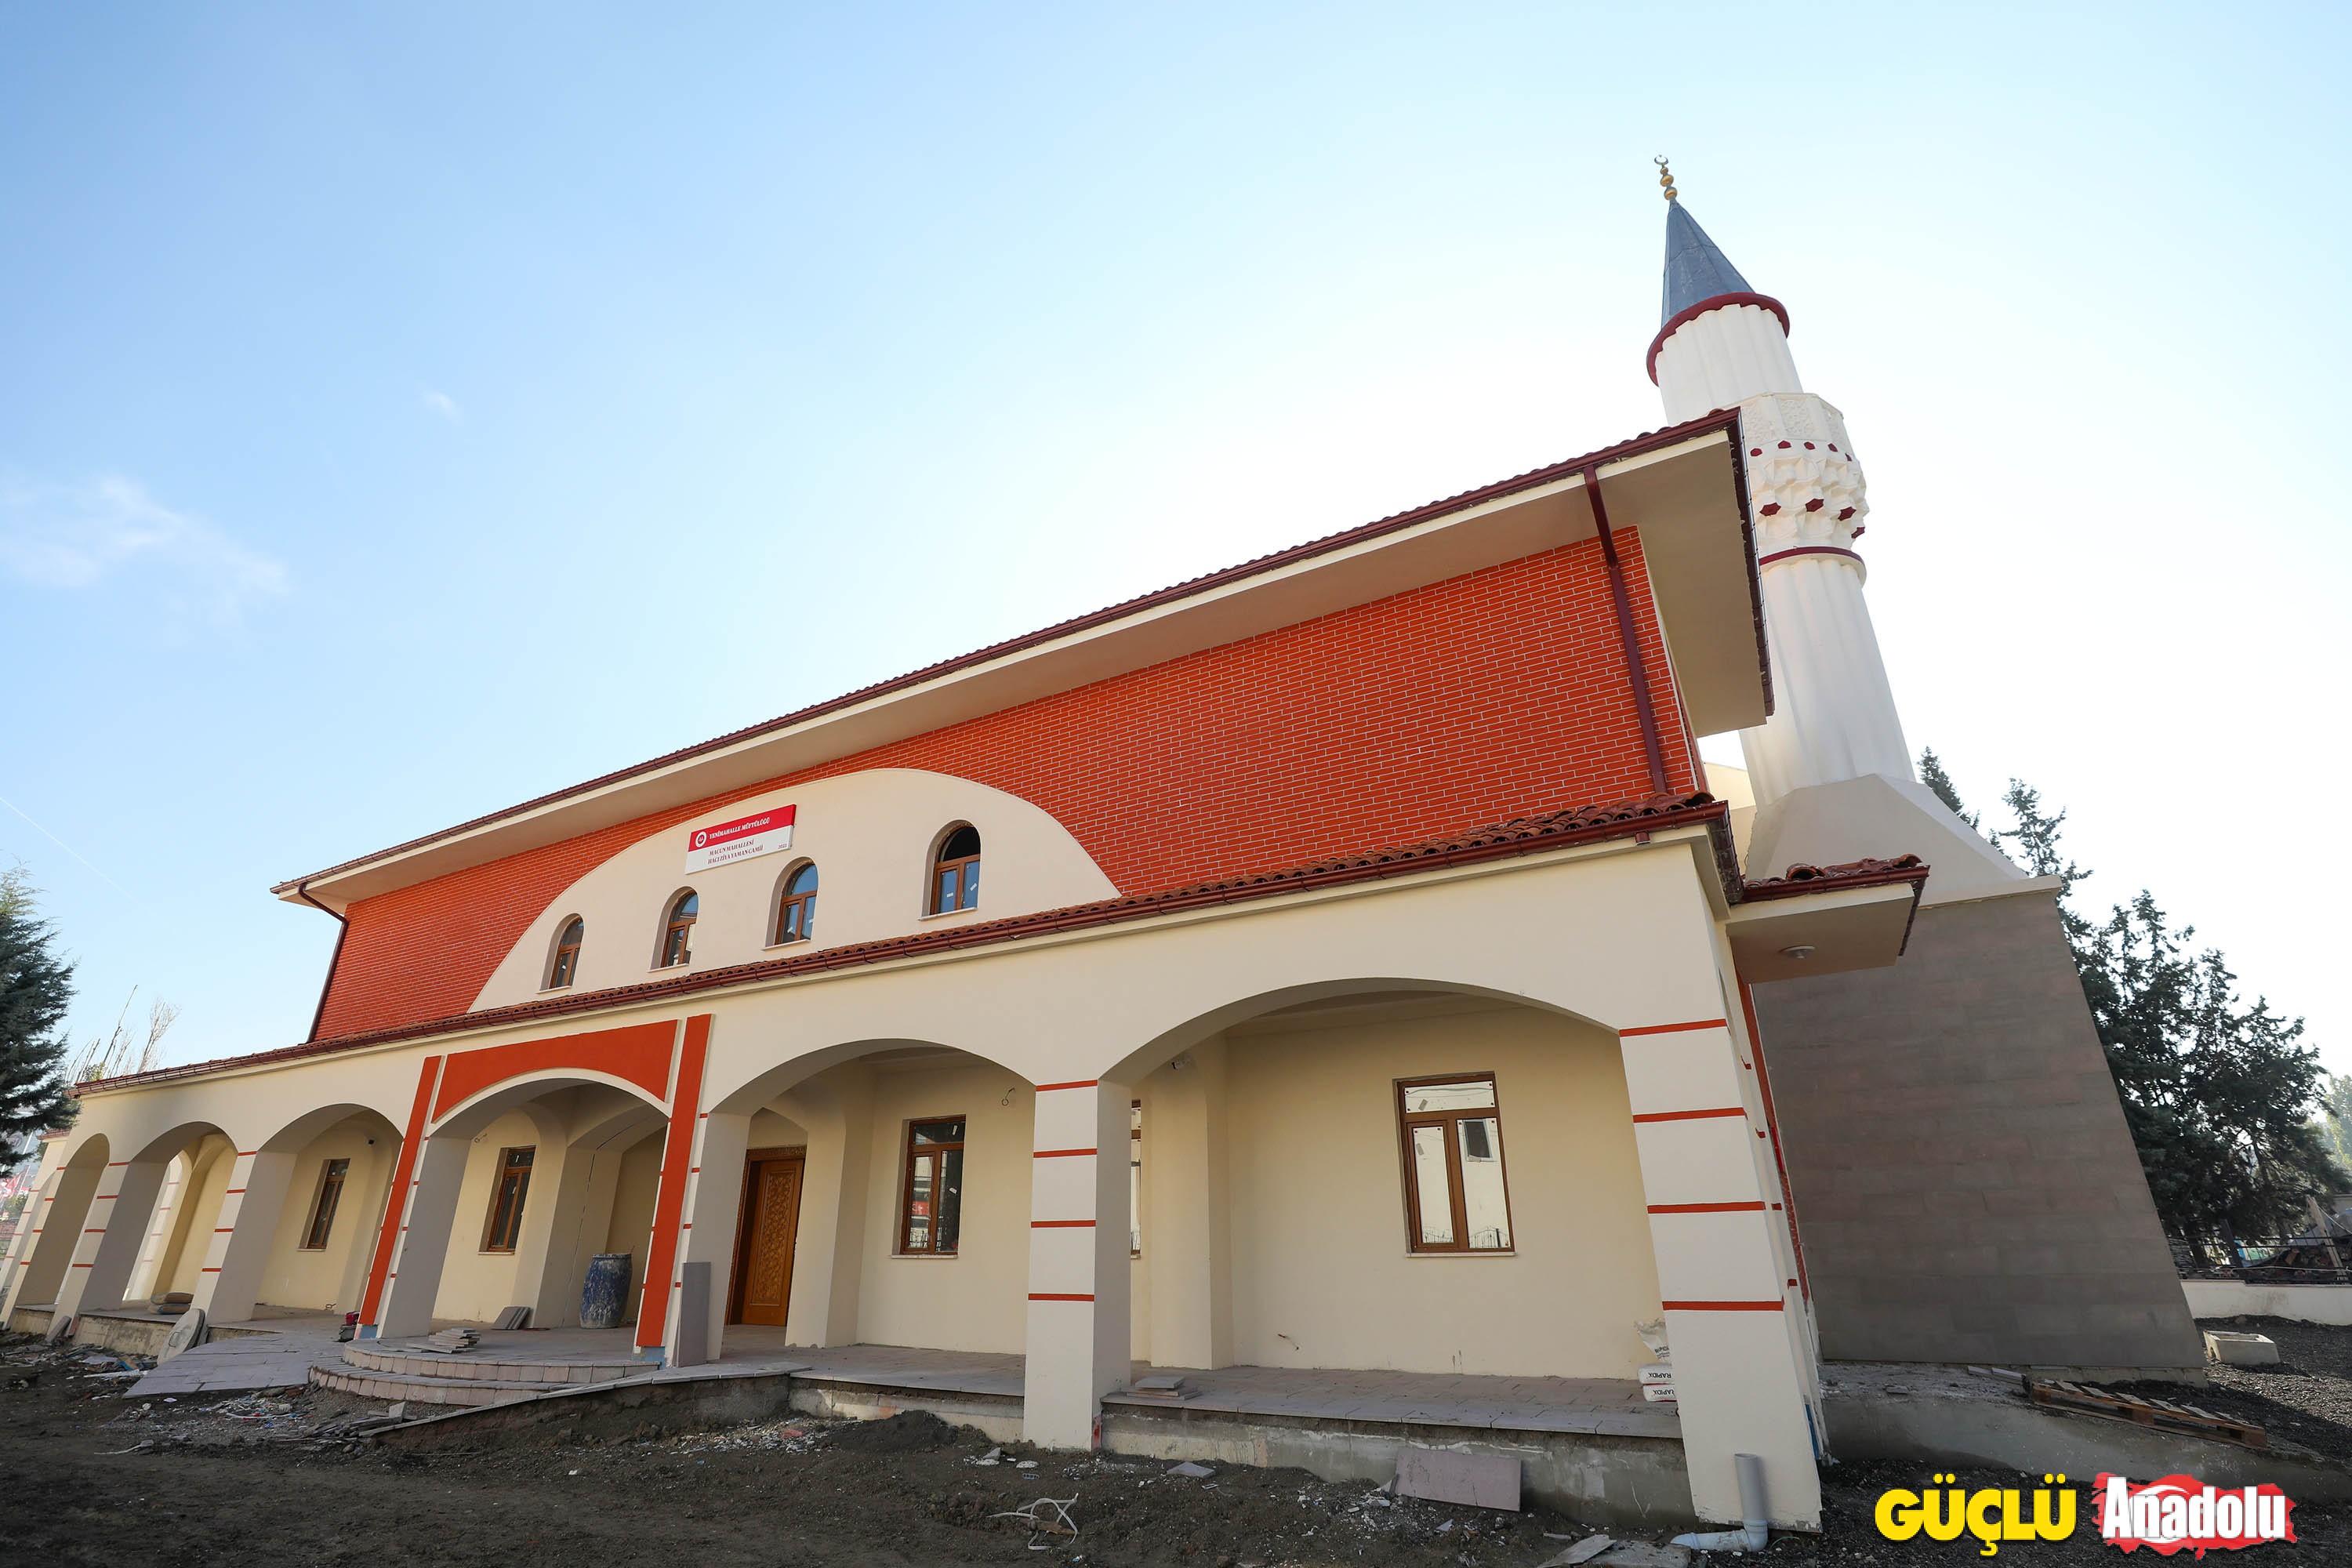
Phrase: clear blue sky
(410, 409)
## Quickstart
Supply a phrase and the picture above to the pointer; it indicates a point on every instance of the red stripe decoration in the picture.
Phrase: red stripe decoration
(1757, 1207)
(1808, 550)
(1721, 1306)
(1083, 1083)
(1059, 1224)
(670, 1200)
(1042, 1296)
(1673, 1028)
(1060, 1153)
(1689, 1115)
(403, 1182)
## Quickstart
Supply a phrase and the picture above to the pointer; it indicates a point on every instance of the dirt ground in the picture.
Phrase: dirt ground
(94, 1476)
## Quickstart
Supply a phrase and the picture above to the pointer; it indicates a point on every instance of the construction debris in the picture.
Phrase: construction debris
(513, 1317)
(1190, 1471)
(1446, 1475)
(2162, 1414)
(449, 1342)
(1042, 1522)
(1584, 1551)
(1162, 1385)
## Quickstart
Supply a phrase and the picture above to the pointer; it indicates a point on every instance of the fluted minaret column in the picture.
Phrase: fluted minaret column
(1723, 346)
(1833, 715)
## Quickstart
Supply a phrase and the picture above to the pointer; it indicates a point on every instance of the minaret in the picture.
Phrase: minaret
(1720, 345)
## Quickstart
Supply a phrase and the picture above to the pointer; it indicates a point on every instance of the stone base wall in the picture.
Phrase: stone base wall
(1965, 1187)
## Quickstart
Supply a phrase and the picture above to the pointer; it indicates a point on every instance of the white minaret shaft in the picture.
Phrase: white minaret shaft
(1723, 346)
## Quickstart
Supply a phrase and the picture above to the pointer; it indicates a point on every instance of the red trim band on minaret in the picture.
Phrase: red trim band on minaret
(1808, 550)
(1693, 312)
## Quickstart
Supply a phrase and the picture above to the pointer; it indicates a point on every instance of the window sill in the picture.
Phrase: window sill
(667, 968)
(926, 1257)
(1481, 1252)
(949, 914)
(796, 942)
(555, 990)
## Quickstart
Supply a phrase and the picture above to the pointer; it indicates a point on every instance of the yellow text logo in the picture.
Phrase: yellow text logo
(1992, 1514)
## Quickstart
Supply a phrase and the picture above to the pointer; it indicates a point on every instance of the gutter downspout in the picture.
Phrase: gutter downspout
(1643, 707)
(302, 892)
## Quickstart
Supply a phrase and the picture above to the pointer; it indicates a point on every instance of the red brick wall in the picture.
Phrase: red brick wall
(1469, 701)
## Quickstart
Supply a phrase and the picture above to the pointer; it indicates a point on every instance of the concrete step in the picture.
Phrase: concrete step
(429, 1390)
(399, 1361)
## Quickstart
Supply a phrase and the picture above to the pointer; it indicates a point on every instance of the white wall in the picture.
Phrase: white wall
(1322, 1276)
(323, 1280)
(870, 833)
(476, 1285)
(979, 1298)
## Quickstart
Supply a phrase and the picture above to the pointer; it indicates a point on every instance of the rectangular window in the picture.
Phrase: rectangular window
(934, 1188)
(1455, 1199)
(1135, 1179)
(506, 1203)
(323, 1211)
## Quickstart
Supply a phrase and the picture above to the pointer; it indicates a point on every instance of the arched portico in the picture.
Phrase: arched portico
(57, 1217)
(294, 1229)
(854, 1106)
(121, 1210)
(506, 1198)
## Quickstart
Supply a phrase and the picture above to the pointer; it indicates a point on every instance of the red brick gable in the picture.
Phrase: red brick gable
(1488, 696)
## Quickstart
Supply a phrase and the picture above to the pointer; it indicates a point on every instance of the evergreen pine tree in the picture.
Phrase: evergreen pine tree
(2218, 1094)
(1940, 783)
(36, 987)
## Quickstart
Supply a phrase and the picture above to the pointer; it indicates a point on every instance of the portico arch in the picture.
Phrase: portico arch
(57, 1216)
(447, 1263)
(117, 1225)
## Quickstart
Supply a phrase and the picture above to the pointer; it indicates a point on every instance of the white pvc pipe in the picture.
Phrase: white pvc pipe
(1756, 1527)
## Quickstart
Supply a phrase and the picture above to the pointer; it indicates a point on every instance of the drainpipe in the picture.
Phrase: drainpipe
(1757, 1528)
(1636, 671)
(302, 892)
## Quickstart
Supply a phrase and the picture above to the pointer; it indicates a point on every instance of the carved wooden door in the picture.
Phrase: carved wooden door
(775, 1201)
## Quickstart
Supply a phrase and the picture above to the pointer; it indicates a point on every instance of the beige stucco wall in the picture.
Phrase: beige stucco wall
(870, 833)
(198, 1211)
(977, 1300)
(327, 1277)
(632, 1213)
(1318, 1203)
(476, 1285)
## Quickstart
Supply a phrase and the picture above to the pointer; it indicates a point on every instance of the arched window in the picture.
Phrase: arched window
(955, 871)
(566, 965)
(675, 928)
(796, 907)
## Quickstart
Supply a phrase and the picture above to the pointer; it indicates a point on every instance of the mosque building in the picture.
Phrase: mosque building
(1334, 982)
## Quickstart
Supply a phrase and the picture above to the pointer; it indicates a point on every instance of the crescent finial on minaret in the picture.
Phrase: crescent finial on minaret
(1665, 176)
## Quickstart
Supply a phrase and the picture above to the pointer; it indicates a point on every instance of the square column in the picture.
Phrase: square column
(414, 1284)
(230, 1285)
(1080, 1325)
(714, 1201)
(112, 1235)
(1730, 1313)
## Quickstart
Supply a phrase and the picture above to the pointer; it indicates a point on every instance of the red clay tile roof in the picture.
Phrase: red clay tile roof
(1801, 879)
(1649, 440)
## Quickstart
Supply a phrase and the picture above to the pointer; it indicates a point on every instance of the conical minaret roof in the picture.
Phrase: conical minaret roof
(1696, 269)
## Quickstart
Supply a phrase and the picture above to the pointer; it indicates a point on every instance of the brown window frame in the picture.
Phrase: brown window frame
(503, 1180)
(937, 1153)
(789, 902)
(1406, 1121)
(321, 1224)
(566, 967)
(965, 868)
(677, 931)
